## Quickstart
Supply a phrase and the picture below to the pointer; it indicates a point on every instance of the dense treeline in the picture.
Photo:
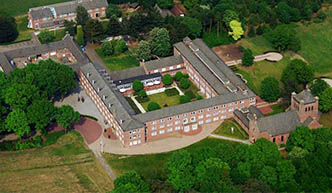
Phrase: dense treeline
(26, 97)
(241, 168)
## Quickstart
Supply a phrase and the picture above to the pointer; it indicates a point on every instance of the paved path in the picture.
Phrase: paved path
(271, 56)
(171, 143)
(139, 106)
(230, 139)
(105, 165)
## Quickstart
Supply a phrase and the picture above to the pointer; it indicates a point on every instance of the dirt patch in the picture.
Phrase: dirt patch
(228, 52)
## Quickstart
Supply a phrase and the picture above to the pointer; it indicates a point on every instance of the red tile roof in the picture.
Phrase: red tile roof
(176, 10)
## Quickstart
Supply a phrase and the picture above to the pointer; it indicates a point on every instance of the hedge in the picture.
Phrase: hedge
(171, 92)
(190, 94)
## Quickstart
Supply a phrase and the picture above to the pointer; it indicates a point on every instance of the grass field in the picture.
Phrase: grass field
(162, 99)
(118, 61)
(152, 166)
(24, 32)
(20, 7)
(225, 129)
(67, 166)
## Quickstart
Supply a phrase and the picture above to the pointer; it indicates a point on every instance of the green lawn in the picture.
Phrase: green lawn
(225, 129)
(20, 7)
(258, 44)
(66, 166)
(316, 43)
(152, 166)
(162, 99)
(24, 32)
(192, 88)
(119, 61)
(276, 109)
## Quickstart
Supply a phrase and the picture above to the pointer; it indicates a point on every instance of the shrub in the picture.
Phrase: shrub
(80, 36)
(7, 145)
(107, 48)
(251, 32)
(190, 94)
(184, 99)
(46, 36)
(185, 76)
(260, 30)
(248, 58)
(178, 76)
(138, 85)
(199, 97)
(167, 79)
(142, 99)
(321, 15)
(171, 92)
(142, 93)
(184, 83)
(153, 106)
(121, 46)
(31, 143)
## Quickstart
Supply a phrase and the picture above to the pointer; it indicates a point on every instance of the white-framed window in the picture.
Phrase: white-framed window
(230, 110)
(177, 116)
(230, 104)
(252, 99)
(131, 143)
(154, 133)
(169, 118)
(208, 121)
(195, 127)
(241, 101)
(177, 128)
(169, 129)
(162, 120)
(200, 122)
(192, 119)
(139, 141)
(193, 113)
(177, 122)
(155, 71)
(223, 111)
(178, 66)
(153, 128)
(208, 115)
(162, 126)
(169, 124)
(163, 69)
(216, 107)
(162, 131)
(154, 122)
(185, 121)
(200, 117)
(184, 115)
(171, 68)
(209, 109)
(200, 111)
(216, 119)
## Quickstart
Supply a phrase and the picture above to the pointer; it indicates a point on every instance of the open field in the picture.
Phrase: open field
(225, 129)
(162, 99)
(19, 7)
(152, 166)
(118, 61)
(67, 166)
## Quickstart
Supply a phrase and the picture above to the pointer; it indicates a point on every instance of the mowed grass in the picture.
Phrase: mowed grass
(163, 100)
(20, 7)
(152, 166)
(225, 129)
(316, 43)
(22, 28)
(118, 61)
(67, 166)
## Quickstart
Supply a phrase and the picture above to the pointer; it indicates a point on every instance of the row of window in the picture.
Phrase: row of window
(133, 143)
(163, 131)
(170, 68)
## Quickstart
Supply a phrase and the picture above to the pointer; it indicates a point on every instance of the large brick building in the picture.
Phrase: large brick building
(276, 128)
(54, 15)
(224, 92)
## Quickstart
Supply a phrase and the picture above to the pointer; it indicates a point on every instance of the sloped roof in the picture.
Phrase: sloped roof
(163, 62)
(127, 73)
(306, 96)
(246, 114)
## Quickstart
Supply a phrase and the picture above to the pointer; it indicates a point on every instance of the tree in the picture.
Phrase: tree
(144, 51)
(257, 186)
(46, 36)
(317, 86)
(8, 28)
(82, 15)
(247, 58)
(184, 99)
(270, 90)
(297, 153)
(241, 173)
(212, 175)
(228, 16)
(181, 171)
(70, 27)
(80, 36)
(167, 79)
(252, 32)
(138, 85)
(178, 76)
(194, 26)
(142, 93)
(17, 122)
(325, 101)
(159, 42)
(299, 71)
(301, 137)
(113, 26)
(130, 182)
(40, 113)
(93, 30)
(268, 175)
(66, 115)
(283, 38)
(152, 106)
(121, 46)
(184, 83)
(147, 3)
(237, 30)
(107, 48)
(113, 10)
(286, 171)
(20, 95)
(165, 4)
(284, 12)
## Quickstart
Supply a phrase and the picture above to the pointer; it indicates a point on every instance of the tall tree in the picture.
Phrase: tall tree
(80, 35)
(317, 86)
(40, 113)
(130, 182)
(165, 4)
(46, 36)
(247, 58)
(8, 28)
(19, 95)
(270, 90)
(325, 102)
(113, 26)
(160, 42)
(66, 115)
(144, 50)
(82, 15)
(301, 137)
(70, 27)
(194, 26)
(17, 122)
(93, 31)
(236, 29)
(113, 10)
(283, 38)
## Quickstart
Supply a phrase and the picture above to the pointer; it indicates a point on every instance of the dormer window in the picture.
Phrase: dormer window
(88, 74)
(93, 81)
(104, 97)
(110, 105)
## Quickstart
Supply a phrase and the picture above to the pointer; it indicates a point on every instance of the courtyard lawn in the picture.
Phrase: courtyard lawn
(152, 166)
(225, 129)
(162, 99)
(192, 88)
(119, 61)
(67, 166)
(24, 32)
(20, 7)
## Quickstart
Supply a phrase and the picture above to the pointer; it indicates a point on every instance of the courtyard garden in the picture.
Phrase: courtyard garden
(225, 129)
(117, 56)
